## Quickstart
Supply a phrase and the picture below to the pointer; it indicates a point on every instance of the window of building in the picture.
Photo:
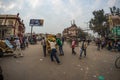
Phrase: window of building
(10, 22)
(1, 21)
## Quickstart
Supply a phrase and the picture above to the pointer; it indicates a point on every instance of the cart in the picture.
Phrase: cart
(49, 38)
(5, 47)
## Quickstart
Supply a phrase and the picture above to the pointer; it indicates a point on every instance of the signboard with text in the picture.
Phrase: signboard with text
(116, 30)
(36, 22)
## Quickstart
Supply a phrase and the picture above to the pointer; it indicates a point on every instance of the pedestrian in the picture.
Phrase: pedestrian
(115, 44)
(53, 51)
(43, 43)
(102, 44)
(59, 43)
(109, 45)
(73, 46)
(98, 44)
(83, 48)
(26, 42)
(22, 41)
(18, 52)
(88, 41)
(118, 45)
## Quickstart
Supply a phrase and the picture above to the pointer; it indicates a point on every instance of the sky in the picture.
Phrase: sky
(57, 14)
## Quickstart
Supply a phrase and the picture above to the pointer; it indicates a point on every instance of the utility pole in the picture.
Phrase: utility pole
(87, 23)
(31, 31)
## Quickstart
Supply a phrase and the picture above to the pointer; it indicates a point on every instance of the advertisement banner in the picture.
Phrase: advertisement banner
(116, 30)
(36, 22)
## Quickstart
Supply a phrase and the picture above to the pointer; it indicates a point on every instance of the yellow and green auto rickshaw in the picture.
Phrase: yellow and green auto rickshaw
(5, 47)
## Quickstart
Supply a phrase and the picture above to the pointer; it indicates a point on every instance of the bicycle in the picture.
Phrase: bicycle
(117, 63)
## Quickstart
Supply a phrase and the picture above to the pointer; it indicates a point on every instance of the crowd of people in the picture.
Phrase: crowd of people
(101, 44)
(18, 44)
(22, 43)
(53, 42)
(60, 42)
(110, 44)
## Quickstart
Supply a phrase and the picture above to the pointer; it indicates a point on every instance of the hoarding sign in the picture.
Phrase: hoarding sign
(36, 22)
(116, 30)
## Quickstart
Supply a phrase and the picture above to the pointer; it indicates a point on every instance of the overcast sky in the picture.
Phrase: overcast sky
(57, 14)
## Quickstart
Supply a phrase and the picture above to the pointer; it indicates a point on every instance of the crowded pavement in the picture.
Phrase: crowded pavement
(97, 65)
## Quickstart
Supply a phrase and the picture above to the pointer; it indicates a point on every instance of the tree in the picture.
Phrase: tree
(96, 23)
(81, 33)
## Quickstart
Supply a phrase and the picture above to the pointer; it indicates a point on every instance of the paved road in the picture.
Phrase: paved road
(33, 66)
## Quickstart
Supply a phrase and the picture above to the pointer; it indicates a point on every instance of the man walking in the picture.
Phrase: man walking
(43, 43)
(18, 52)
(59, 43)
(83, 49)
(98, 44)
(53, 51)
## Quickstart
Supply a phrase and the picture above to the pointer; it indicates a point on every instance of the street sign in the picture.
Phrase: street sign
(36, 22)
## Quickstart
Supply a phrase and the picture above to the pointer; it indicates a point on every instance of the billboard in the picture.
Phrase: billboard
(36, 22)
(116, 30)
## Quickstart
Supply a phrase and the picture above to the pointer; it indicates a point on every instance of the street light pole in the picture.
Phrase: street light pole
(87, 26)
(31, 30)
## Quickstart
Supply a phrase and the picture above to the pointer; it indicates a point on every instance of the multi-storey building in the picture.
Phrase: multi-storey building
(114, 21)
(71, 32)
(114, 24)
(11, 25)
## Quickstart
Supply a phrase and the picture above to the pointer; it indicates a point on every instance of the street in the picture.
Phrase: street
(33, 66)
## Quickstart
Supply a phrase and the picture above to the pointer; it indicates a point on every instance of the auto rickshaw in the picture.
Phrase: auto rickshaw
(5, 47)
(33, 39)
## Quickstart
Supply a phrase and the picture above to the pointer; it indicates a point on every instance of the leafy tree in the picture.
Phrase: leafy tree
(97, 23)
(81, 33)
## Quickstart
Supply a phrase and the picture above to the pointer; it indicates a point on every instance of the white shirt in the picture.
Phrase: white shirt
(52, 44)
(43, 42)
(17, 42)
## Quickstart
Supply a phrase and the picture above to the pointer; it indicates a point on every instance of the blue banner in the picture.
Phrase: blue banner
(8, 44)
(36, 22)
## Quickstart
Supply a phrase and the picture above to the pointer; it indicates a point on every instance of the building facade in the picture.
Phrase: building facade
(114, 24)
(71, 32)
(114, 21)
(11, 25)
